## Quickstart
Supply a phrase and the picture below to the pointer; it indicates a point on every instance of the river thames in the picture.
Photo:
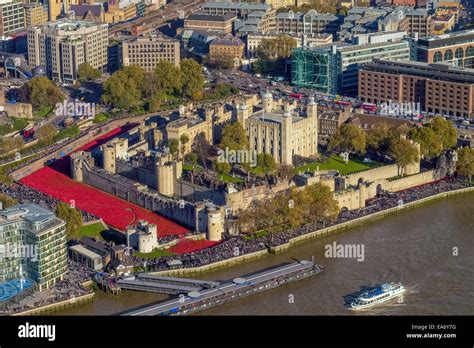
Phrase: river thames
(428, 249)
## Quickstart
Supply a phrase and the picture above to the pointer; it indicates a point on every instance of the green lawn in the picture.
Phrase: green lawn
(44, 111)
(16, 125)
(336, 162)
(93, 230)
(101, 117)
(154, 253)
(230, 178)
(68, 132)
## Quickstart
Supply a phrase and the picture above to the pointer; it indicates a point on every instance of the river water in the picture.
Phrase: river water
(430, 250)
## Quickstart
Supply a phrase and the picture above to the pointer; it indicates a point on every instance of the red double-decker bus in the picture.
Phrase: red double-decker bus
(296, 96)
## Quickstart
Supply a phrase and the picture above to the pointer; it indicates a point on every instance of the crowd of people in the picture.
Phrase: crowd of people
(25, 194)
(69, 288)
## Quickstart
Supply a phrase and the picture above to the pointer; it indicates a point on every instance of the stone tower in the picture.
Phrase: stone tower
(242, 113)
(267, 101)
(286, 136)
(215, 224)
(108, 153)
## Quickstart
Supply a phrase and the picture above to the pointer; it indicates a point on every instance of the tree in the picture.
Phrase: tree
(184, 139)
(289, 210)
(10, 144)
(87, 72)
(201, 146)
(445, 130)
(154, 104)
(192, 158)
(222, 167)
(234, 137)
(266, 162)
(168, 78)
(277, 48)
(403, 152)
(72, 217)
(123, 89)
(349, 138)
(173, 145)
(431, 144)
(48, 131)
(378, 137)
(192, 78)
(7, 201)
(41, 92)
(465, 164)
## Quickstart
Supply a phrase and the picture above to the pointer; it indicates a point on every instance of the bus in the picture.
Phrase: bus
(344, 103)
(369, 107)
(297, 96)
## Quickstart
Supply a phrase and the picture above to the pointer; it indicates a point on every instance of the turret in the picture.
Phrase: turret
(267, 101)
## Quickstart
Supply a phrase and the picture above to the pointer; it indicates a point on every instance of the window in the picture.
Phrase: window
(437, 57)
(448, 55)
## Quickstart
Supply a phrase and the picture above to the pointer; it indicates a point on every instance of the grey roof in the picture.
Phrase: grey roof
(83, 251)
(327, 17)
(30, 212)
(211, 18)
(418, 12)
(286, 15)
(81, 10)
(227, 42)
(352, 17)
(237, 6)
(347, 25)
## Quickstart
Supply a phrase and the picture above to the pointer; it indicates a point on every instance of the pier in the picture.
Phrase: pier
(164, 285)
(232, 290)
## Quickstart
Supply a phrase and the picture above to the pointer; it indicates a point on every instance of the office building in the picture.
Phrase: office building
(148, 51)
(227, 51)
(334, 68)
(62, 46)
(12, 16)
(456, 48)
(439, 88)
(35, 14)
(33, 244)
(202, 21)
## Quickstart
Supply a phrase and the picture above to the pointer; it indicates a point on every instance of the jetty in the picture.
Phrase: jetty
(232, 290)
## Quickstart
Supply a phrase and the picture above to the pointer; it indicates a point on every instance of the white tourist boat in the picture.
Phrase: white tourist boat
(377, 295)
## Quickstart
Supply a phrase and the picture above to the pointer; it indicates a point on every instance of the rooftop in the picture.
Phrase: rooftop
(210, 17)
(29, 212)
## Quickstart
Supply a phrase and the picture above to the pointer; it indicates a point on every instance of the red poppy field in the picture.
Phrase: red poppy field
(187, 246)
(114, 211)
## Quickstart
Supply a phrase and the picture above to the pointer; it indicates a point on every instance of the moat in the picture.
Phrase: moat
(428, 249)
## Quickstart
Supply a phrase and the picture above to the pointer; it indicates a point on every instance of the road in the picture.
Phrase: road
(157, 18)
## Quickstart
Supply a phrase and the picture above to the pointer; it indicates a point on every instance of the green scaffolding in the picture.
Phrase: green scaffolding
(313, 68)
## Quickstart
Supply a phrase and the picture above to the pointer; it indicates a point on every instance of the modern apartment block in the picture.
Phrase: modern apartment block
(62, 46)
(35, 14)
(202, 21)
(12, 16)
(418, 23)
(334, 68)
(439, 88)
(148, 51)
(310, 22)
(33, 244)
(456, 48)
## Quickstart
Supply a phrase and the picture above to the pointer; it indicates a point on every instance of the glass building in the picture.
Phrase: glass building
(334, 68)
(32, 245)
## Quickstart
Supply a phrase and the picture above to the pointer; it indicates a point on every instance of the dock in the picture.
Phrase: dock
(164, 285)
(232, 290)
